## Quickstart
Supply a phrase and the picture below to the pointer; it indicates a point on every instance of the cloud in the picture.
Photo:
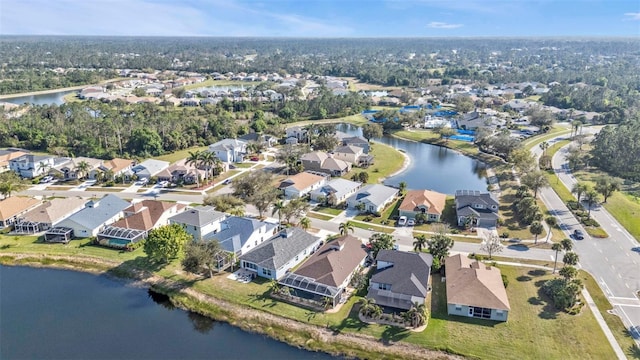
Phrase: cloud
(632, 16)
(443, 25)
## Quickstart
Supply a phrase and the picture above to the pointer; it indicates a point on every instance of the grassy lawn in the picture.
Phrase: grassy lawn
(208, 83)
(626, 209)
(386, 218)
(615, 324)
(319, 216)
(368, 226)
(387, 161)
(535, 140)
(243, 165)
(328, 210)
(179, 155)
(430, 137)
(104, 189)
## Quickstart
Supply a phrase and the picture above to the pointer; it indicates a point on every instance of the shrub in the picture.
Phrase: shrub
(504, 235)
(109, 183)
(455, 231)
(505, 280)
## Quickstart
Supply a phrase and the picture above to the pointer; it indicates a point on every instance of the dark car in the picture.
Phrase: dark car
(578, 234)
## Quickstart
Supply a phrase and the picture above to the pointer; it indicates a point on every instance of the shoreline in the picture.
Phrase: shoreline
(405, 163)
(53, 91)
(292, 332)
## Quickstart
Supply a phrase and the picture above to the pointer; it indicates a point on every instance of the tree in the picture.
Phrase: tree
(277, 208)
(491, 245)
(145, 142)
(568, 272)
(402, 187)
(579, 188)
(607, 185)
(544, 146)
(195, 158)
(257, 189)
(591, 197)
(225, 203)
(540, 117)
(371, 130)
(367, 306)
(305, 223)
(295, 208)
(570, 258)
(439, 246)
(536, 229)
(345, 227)
(290, 155)
(567, 245)
(556, 247)
(203, 256)
(535, 180)
(10, 183)
(417, 315)
(363, 177)
(325, 143)
(420, 242)
(82, 169)
(166, 242)
(380, 241)
(522, 159)
(445, 133)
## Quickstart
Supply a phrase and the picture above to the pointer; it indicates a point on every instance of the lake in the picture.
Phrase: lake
(42, 99)
(60, 314)
(432, 167)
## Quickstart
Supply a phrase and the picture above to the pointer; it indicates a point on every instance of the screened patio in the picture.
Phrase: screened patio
(26, 227)
(308, 288)
(118, 237)
(58, 235)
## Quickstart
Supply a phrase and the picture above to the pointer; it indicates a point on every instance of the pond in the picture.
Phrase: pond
(56, 98)
(432, 167)
(59, 314)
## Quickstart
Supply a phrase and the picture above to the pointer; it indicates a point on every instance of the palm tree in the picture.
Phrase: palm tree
(536, 229)
(108, 175)
(345, 227)
(82, 168)
(420, 243)
(556, 247)
(367, 306)
(194, 159)
(207, 161)
(274, 286)
(568, 272)
(567, 245)
(403, 187)
(8, 188)
(277, 207)
(417, 315)
(535, 180)
(43, 166)
(591, 197)
(305, 223)
(570, 258)
(544, 146)
(579, 188)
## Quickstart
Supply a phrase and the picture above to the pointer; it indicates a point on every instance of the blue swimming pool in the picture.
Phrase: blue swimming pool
(461, 137)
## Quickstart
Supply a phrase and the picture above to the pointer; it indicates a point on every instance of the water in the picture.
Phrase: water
(56, 98)
(58, 314)
(432, 167)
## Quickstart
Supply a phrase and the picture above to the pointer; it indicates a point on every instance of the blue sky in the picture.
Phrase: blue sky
(322, 18)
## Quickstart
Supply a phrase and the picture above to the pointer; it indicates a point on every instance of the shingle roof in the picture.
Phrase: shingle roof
(348, 149)
(97, 212)
(339, 187)
(301, 181)
(198, 216)
(334, 164)
(227, 144)
(468, 197)
(54, 210)
(375, 193)
(151, 166)
(279, 249)
(146, 214)
(409, 273)
(12, 206)
(318, 156)
(237, 230)
(473, 283)
(332, 267)
(434, 201)
(116, 165)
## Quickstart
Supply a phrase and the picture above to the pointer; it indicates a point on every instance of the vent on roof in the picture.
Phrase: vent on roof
(287, 233)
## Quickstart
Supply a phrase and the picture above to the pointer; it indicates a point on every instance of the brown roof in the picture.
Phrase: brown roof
(5, 158)
(473, 283)
(50, 212)
(332, 267)
(301, 181)
(146, 214)
(434, 201)
(116, 165)
(15, 205)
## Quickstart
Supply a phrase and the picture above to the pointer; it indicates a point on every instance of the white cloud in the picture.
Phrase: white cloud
(632, 16)
(443, 25)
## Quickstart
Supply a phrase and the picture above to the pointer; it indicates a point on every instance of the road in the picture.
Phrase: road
(611, 261)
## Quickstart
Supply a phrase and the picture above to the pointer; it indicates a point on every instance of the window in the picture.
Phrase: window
(249, 265)
(266, 272)
(479, 312)
(297, 256)
(458, 308)
(384, 286)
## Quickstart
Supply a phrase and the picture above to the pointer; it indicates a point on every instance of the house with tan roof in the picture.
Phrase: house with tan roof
(116, 165)
(323, 162)
(48, 214)
(71, 169)
(13, 207)
(6, 156)
(475, 289)
(327, 272)
(426, 202)
(302, 184)
(138, 220)
(182, 172)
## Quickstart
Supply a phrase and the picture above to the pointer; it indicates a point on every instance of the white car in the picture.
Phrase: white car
(402, 221)
(46, 179)
(411, 222)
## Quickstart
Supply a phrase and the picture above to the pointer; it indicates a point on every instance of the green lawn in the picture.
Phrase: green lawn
(626, 209)
(387, 161)
(211, 82)
(386, 218)
(319, 216)
(430, 137)
(535, 140)
(179, 155)
(369, 226)
(328, 210)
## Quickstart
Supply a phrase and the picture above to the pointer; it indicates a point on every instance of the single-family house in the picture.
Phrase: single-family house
(336, 191)
(116, 166)
(348, 153)
(481, 208)
(313, 160)
(95, 216)
(238, 235)
(48, 214)
(229, 150)
(139, 218)
(302, 184)
(475, 289)
(401, 278)
(297, 132)
(182, 172)
(13, 207)
(335, 167)
(30, 166)
(328, 271)
(6, 156)
(149, 168)
(426, 202)
(73, 169)
(265, 139)
(200, 221)
(358, 141)
(274, 257)
(375, 198)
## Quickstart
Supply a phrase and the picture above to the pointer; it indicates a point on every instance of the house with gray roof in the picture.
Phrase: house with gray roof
(48, 214)
(481, 208)
(358, 141)
(336, 191)
(200, 221)
(149, 168)
(95, 216)
(375, 198)
(229, 150)
(401, 278)
(274, 257)
(30, 166)
(238, 235)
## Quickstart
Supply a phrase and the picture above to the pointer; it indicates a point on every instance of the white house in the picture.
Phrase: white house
(301, 184)
(95, 216)
(30, 166)
(229, 150)
(200, 221)
(238, 235)
(336, 191)
(348, 153)
(375, 198)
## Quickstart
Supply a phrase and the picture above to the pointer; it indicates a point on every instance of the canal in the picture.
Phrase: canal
(60, 314)
(432, 167)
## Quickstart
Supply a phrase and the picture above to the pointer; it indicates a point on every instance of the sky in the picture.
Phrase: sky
(321, 18)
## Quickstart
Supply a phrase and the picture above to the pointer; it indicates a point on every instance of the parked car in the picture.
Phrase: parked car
(411, 222)
(255, 158)
(163, 183)
(226, 182)
(578, 234)
(402, 221)
(46, 179)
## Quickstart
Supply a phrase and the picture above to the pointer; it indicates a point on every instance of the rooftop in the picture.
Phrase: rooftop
(473, 283)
